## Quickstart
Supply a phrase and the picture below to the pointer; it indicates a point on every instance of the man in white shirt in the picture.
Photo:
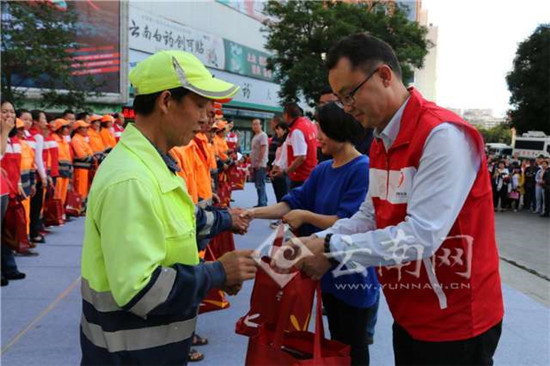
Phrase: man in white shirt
(258, 160)
(427, 199)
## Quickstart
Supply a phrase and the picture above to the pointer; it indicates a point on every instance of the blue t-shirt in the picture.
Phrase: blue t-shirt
(338, 191)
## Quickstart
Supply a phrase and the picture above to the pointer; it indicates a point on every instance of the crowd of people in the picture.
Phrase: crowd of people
(521, 184)
(46, 156)
(142, 277)
(49, 157)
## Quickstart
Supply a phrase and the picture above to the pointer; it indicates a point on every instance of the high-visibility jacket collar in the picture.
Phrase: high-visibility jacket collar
(138, 144)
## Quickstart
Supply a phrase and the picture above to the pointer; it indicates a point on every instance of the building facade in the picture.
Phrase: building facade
(226, 36)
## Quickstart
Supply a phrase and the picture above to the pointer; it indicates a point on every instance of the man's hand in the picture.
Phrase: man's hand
(276, 172)
(240, 220)
(33, 190)
(308, 256)
(239, 266)
(21, 192)
(295, 218)
(215, 198)
(232, 290)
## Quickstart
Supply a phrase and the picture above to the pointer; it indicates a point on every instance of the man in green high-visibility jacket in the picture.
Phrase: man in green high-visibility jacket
(142, 281)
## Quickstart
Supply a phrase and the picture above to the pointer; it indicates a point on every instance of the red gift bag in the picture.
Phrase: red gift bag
(73, 204)
(237, 178)
(53, 209)
(224, 190)
(274, 291)
(215, 299)
(14, 227)
(277, 347)
(222, 243)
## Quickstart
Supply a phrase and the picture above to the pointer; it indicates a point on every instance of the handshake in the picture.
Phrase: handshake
(240, 220)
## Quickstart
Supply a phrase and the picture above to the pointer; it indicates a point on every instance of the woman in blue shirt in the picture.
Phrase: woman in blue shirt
(334, 190)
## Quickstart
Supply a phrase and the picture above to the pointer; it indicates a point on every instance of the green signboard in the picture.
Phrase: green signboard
(247, 61)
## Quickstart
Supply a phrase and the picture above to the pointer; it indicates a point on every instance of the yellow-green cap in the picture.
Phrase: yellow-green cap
(172, 69)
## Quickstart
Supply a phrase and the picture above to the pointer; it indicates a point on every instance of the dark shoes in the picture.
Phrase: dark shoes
(28, 253)
(5, 281)
(16, 275)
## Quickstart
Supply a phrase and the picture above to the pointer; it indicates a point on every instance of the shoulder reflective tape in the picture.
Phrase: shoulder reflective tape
(138, 339)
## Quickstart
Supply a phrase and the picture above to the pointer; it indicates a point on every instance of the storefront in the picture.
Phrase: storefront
(229, 60)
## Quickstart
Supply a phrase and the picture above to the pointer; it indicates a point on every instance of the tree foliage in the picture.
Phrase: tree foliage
(500, 133)
(529, 83)
(37, 43)
(301, 33)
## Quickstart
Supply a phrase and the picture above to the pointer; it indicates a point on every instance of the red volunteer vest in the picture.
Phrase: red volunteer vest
(455, 294)
(232, 140)
(34, 131)
(310, 134)
(11, 164)
(52, 151)
(118, 129)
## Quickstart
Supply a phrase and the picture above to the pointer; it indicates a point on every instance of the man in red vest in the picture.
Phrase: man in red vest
(302, 145)
(427, 221)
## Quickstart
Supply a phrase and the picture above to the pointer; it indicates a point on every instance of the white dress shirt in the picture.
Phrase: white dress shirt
(446, 172)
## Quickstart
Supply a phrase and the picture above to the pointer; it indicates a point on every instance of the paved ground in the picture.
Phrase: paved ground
(40, 315)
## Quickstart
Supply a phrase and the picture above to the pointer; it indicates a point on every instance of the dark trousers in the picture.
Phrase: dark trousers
(349, 325)
(8, 260)
(259, 183)
(280, 187)
(529, 202)
(502, 196)
(547, 202)
(36, 208)
(295, 184)
(473, 351)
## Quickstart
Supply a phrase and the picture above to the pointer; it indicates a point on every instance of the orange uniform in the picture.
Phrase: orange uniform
(202, 163)
(185, 157)
(108, 138)
(96, 142)
(221, 147)
(65, 167)
(83, 159)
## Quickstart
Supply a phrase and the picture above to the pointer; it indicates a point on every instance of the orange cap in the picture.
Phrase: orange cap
(60, 122)
(19, 123)
(107, 118)
(220, 125)
(95, 118)
(80, 123)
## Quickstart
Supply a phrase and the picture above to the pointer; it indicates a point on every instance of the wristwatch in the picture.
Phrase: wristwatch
(331, 259)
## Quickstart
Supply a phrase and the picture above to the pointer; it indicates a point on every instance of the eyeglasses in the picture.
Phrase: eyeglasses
(350, 98)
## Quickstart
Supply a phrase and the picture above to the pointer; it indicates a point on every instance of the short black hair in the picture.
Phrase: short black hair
(21, 111)
(36, 114)
(339, 125)
(5, 100)
(82, 115)
(283, 126)
(292, 109)
(67, 111)
(364, 51)
(326, 90)
(145, 104)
